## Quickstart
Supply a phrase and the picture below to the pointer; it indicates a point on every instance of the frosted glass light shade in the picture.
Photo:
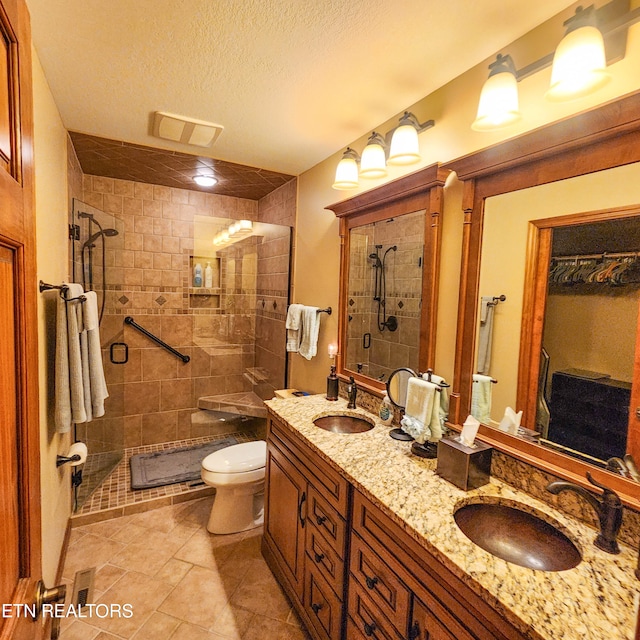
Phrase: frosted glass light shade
(404, 148)
(373, 163)
(579, 65)
(205, 181)
(498, 106)
(346, 173)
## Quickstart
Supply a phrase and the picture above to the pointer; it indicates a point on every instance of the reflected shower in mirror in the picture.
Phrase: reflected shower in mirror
(384, 295)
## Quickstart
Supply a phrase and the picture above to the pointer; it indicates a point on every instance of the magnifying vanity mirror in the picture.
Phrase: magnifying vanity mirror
(552, 223)
(389, 276)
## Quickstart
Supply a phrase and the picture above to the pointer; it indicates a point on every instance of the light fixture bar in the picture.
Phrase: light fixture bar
(613, 19)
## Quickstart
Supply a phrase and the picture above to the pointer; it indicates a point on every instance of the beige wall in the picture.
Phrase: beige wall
(505, 241)
(453, 108)
(51, 231)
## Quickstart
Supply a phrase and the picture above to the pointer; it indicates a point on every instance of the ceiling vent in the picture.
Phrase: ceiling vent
(185, 130)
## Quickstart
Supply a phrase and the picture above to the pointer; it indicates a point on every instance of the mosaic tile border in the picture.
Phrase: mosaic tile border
(114, 497)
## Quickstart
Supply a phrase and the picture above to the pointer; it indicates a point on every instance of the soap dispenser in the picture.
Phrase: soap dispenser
(332, 384)
(197, 275)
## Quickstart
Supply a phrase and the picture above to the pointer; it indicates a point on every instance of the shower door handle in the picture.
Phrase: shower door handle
(366, 340)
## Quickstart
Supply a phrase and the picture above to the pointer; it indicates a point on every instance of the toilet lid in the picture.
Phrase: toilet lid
(237, 458)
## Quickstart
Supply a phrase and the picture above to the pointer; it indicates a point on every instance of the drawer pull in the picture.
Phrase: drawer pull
(371, 582)
(316, 607)
(319, 557)
(303, 499)
(320, 519)
(369, 628)
(414, 634)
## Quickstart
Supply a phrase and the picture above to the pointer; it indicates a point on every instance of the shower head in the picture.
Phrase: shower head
(103, 232)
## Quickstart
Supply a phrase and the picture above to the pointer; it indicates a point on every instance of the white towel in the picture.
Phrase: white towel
(419, 411)
(485, 334)
(440, 408)
(98, 384)
(310, 329)
(481, 397)
(293, 325)
(69, 388)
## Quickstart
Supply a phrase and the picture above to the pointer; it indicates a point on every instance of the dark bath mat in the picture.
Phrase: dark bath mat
(157, 469)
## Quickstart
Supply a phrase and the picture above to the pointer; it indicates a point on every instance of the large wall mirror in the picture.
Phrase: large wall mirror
(388, 277)
(550, 292)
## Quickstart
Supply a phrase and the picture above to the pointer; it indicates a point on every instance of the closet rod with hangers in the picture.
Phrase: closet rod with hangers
(599, 256)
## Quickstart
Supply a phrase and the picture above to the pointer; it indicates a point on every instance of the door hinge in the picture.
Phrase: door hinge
(74, 232)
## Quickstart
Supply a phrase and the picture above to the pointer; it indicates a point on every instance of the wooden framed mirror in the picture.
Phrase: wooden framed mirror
(390, 253)
(518, 197)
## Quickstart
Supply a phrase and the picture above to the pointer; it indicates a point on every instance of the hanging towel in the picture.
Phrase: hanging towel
(481, 397)
(97, 382)
(485, 334)
(419, 411)
(441, 407)
(293, 325)
(310, 328)
(69, 389)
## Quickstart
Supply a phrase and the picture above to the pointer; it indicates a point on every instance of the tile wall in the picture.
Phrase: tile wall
(388, 350)
(149, 277)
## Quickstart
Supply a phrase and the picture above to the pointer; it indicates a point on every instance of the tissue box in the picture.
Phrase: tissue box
(466, 467)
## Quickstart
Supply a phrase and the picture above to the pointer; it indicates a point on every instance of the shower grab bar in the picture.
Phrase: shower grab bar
(62, 288)
(131, 322)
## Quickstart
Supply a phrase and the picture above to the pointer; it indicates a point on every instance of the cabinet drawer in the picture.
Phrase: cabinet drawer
(327, 520)
(366, 619)
(435, 624)
(332, 485)
(322, 605)
(382, 585)
(327, 561)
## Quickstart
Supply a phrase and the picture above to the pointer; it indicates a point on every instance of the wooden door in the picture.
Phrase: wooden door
(285, 514)
(20, 546)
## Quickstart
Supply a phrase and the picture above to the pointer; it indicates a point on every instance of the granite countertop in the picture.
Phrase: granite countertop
(596, 600)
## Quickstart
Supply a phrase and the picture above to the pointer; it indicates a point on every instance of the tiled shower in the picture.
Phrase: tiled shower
(233, 332)
(374, 351)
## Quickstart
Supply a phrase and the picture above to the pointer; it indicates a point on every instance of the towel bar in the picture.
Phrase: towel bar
(62, 288)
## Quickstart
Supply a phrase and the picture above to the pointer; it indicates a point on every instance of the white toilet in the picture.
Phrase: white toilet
(237, 473)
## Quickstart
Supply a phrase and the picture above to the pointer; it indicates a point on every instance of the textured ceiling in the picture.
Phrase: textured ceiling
(292, 81)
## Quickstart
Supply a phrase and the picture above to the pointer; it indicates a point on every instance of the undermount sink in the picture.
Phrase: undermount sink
(517, 536)
(344, 423)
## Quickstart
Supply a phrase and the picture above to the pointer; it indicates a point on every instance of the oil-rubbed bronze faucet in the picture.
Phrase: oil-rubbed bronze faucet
(352, 392)
(608, 508)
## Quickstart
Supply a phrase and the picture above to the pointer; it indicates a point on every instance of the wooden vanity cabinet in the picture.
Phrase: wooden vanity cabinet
(350, 570)
(305, 534)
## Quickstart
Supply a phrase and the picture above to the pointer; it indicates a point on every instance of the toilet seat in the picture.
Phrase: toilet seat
(238, 458)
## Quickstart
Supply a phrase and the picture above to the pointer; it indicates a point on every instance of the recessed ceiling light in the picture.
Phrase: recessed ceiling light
(205, 181)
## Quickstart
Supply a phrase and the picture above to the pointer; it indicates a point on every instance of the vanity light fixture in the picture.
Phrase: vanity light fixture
(234, 232)
(498, 106)
(403, 149)
(579, 64)
(347, 171)
(373, 163)
(203, 180)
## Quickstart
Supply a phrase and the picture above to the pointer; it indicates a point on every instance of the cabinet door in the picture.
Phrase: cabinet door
(426, 626)
(285, 497)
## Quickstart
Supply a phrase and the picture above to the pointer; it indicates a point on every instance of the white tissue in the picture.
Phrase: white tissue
(469, 431)
(78, 449)
(511, 421)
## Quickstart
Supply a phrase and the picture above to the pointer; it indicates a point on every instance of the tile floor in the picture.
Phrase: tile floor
(114, 497)
(182, 582)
